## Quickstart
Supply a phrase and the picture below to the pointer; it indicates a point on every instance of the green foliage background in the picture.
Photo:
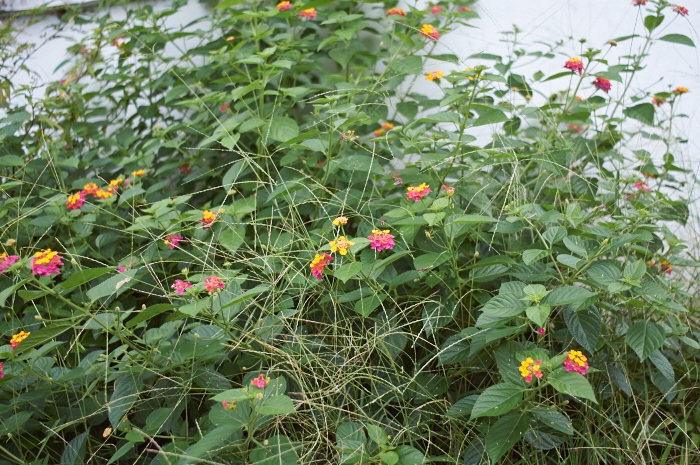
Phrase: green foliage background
(405, 356)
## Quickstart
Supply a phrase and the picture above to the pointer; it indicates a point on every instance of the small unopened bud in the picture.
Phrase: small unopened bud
(476, 254)
(259, 395)
(582, 40)
(613, 43)
(73, 262)
(197, 336)
(143, 307)
(38, 317)
(605, 241)
(117, 309)
(232, 192)
(220, 211)
(10, 242)
(266, 442)
(185, 271)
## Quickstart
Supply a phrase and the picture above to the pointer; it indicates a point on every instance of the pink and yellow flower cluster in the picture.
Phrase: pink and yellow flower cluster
(576, 362)
(529, 368)
(46, 263)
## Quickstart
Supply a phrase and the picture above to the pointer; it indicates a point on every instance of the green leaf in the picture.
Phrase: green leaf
(568, 295)
(41, 336)
(504, 306)
(409, 455)
(497, 400)
(208, 445)
(503, 435)
(83, 276)
(462, 407)
(276, 405)
(277, 450)
(538, 314)
(491, 116)
(115, 284)
(678, 39)
(366, 305)
(14, 422)
(347, 271)
(410, 65)
(651, 22)
(644, 337)
(125, 395)
(434, 218)
(554, 419)
(474, 219)
(635, 271)
(377, 434)
(431, 260)
(533, 255)
(148, 313)
(643, 112)
(584, 326)
(573, 384)
(283, 129)
(229, 3)
(389, 457)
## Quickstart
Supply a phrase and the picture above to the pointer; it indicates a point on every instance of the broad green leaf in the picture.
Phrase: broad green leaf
(276, 405)
(573, 384)
(148, 313)
(116, 284)
(283, 129)
(651, 22)
(409, 455)
(533, 255)
(643, 112)
(83, 276)
(474, 219)
(635, 270)
(554, 419)
(644, 337)
(678, 39)
(491, 116)
(503, 435)
(14, 422)
(41, 336)
(389, 457)
(431, 260)
(347, 271)
(584, 325)
(663, 365)
(462, 407)
(377, 434)
(497, 400)
(125, 395)
(539, 314)
(567, 295)
(504, 306)
(277, 450)
(208, 445)
(409, 65)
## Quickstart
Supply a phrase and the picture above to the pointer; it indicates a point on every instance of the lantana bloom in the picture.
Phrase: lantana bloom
(576, 362)
(121, 268)
(231, 406)
(435, 9)
(434, 75)
(213, 284)
(387, 126)
(681, 90)
(115, 183)
(378, 132)
(6, 261)
(681, 10)
(529, 367)
(665, 266)
(396, 11)
(172, 240)
(103, 194)
(185, 168)
(341, 245)
(208, 218)
(449, 190)
(658, 101)
(574, 64)
(261, 381)
(284, 6)
(381, 240)
(462, 9)
(308, 13)
(2, 370)
(75, 201)
(46, 263)
(602, 84)
(642, 186)
(318, 264)
(17, 338)
(639, 2)
(341, 220)
(418, 192)
(90, 188)
(179, 285)
(471, 78)
(138, 173)
(429, 31)
(575, 127)
(541, 331)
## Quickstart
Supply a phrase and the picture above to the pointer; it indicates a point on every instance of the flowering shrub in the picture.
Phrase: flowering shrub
(222, 264)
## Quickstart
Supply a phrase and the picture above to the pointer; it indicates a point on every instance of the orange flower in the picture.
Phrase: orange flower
(530, 367)
(396, 11)
(75, 201)
(17, 338)
(138, 173)
(103, 194)
(341, 245)
(208, 218)
(341, 220)
(418, 192)
(284, 6)
(90, 188)
(429, 31)
(388, 126)
(318, 264)
(378, 132)
(434, 75)
(681, 90)
(309, 13)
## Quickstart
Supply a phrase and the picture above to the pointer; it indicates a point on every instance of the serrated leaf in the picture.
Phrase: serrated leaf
(409, 455)
(663, 365)
(462, 407)
(555, 420)
(503, 306)
(573, 384)
(125, 395)
(532, 255)
(567, 295)
(376, 434)
(490, 116)
(584, 326)
(347, 271)
(538, 314)
(643, 112)
(276, 405)
(497, 400)
(644, 337)
(505, 433)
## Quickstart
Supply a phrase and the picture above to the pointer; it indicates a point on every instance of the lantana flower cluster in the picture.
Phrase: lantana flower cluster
(17, 338)
(529, 368)
(76, 200)
(46, 263)
(576, 362)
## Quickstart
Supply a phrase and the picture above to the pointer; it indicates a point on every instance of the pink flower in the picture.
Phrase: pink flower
(212, 284)
(185, 168)
(462, 9)
(681, 10)
(308, 13)
(2, 372)
(208, 218)
(261, 381)
(449, 191)
(318, 264)
(284, 5)
(418, 192)
(180, 286)
(75, 201)
(602, 84)
(639, 2)
(429, 32)
(574, 64)
(642, 186)
(576, 362)
(172, 240)
(435, 9)
(224, 107)
(231, 406)
(121, 268)
(381, 240)
(541, 331)
(576, 128)
(6, 261)
(46, 263)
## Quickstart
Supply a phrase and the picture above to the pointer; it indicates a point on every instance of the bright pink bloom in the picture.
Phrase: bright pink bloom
(318, 264)
(418, 192)
(2, 372)
(180, 286)
(576, 362)
(449, 191)
(261, 381)
(6, 261)
(541, 331)
(462, 9)
(46, 263)
(121, 268)
(642, 186)
(381, 240)
(172, 240)
(212, 284)
(308, 13)
(576, 128)
(230, 406)
(435, 9)
(284, 5)
(574, 64)
(639, 2)
(681, 10)
(602, 84)
(429, 31)
(224, 107)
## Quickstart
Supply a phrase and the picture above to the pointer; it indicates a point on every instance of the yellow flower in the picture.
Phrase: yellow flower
(471, 78)
(42, 258)
(341, 245)
(103, 194)
(341, 220)
(681, 90)
(434, 75)
(138, 173)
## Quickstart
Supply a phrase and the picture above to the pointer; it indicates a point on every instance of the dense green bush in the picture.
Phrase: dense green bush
(264, 192)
